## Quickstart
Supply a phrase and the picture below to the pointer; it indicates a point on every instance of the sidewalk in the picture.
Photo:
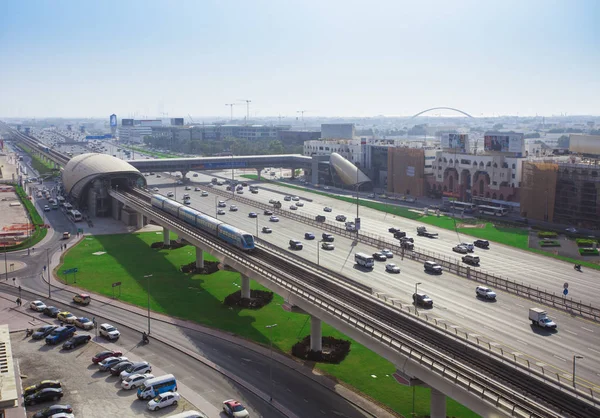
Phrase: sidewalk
(322, 380)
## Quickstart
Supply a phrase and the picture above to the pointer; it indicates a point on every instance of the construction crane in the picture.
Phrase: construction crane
(192, 120)
(302, 112)
(247, 108)
(231, 108)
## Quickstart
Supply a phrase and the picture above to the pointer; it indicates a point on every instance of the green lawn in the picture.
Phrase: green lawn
(150, 152)
(41, 166)
(199, 298)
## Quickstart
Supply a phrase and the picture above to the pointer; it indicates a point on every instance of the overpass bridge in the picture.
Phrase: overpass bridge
(422, 354)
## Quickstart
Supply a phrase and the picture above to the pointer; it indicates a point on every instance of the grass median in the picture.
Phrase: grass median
(104, 259)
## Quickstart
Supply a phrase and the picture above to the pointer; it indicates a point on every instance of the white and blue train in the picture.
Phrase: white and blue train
(228, 233)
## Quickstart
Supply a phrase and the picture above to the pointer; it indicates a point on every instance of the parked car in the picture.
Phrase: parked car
(84, 323)
(266, 230)
(116, 369)
(103, 355)
(55, 411)
(60, 334)
(135, 380)
(109, 332)
(76, 341)
(66, 317)
(327, 209)
(392, 268)
(44, 395)
(163, 400)
(136, 368)
(423, 300)
(482, 243)
(327, 246)
(109, 362)
(460, 249)
(234, 409)
(37, 305)
(379, 256)
(43, 332)
(309, 235)
(51, 311)
(30, 390)
(485, 292)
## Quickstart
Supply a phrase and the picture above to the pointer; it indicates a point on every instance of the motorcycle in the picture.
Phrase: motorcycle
(577, 267)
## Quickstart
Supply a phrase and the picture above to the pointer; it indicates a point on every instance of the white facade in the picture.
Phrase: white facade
(350, 149)
(138, 131)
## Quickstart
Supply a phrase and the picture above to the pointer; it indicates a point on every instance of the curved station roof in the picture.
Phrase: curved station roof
(348, 172)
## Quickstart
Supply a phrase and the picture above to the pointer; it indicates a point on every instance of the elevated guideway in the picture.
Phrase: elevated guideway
(482, 382)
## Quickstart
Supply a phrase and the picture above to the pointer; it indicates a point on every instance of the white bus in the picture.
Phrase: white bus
(189, 414)
(76, 215)
(492, 210)
(364, 260)
(151, 388)
(456, 206)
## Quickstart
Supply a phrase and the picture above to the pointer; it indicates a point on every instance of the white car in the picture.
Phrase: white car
(299, 204)
(460, 249)
(204, 194)
(485, 292)
(470, 247)
(46, 208)
(163, 400)
(326, 188)
(220, 212)
(188, 188)
(155, 189)
(233, 208)
(37, 305)
(274, 219)
(222, 204)
(387, 252)
(392, 268)
(136, 368)
(135, 380)
(109, 332)
(170, 194)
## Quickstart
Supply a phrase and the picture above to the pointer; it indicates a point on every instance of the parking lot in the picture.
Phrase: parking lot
(91, 393)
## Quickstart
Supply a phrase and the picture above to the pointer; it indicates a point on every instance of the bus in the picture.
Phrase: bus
(492, 210)
(151, 388)
(458, 207)
(364, 260)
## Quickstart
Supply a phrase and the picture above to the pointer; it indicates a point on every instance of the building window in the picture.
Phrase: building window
(504, 165)
(495, 165)
(513, 176)
(439, 176)
(514, 166)
(489, 163)
(465, 161)
(495, 183)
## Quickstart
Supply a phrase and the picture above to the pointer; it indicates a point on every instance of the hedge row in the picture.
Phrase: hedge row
(549, 243)
(585, 242)
(547, 234)
(588, 251)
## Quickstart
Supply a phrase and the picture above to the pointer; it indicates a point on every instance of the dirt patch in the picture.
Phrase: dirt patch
(470, 226)
(210, 267)
(258, 299)
(334, 350)
(173, 245)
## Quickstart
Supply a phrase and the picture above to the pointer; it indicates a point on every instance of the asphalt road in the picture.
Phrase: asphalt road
(504, 322)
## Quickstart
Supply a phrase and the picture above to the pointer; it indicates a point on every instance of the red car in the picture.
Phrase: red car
(102, 355)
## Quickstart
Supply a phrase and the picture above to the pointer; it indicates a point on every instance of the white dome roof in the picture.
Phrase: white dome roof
(348, 172)
(83, 168)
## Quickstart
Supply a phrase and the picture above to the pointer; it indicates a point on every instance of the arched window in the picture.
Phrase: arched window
(494, 196)
(445, 188)
(487, 195)
(495, 165)
(481, 164)
(501, 196)
(489, 163)
(451, 161)
(445, 160)
(474, 163)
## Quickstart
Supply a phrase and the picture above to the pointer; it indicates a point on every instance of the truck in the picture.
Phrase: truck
(422, 232)
(399, 234)
(540, 318)
(61, 334)
(277, 205)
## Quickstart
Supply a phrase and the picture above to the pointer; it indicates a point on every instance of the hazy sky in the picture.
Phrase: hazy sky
(332, 58)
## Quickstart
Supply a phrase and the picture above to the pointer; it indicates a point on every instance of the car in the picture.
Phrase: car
(387, 252)
(84, 323)
(37, 305)
(287, 198)
(371, 195)
(271, 201)
(295, 198)
(460, 249)
(204, 194)
(340, 218)
(393, 229)
(378, 256)
(293, 207)
(76, 341)
(300, 204)
(82, 299)
(163, 400)
(187, 202)
(273, 219)
(432, 267)
(170, 194)
(252, 215)
(268, 212)
(423, 300)
(326, 188)
(197, 189)
(66, 317)
(234, 409)
(109, 362)
(222, 204)
(471, 259)
(109, 332)
(44, 395)
(116, 369)
(406, 239)
(220, 212)
(327, 209)
(240, 192)
(392, 268)
(103, 355)
(188, 188)
(53, 411)
(135, 380)
(295, 244)
(139, 367)
(571, 230)
(266, 230)
(46, 208)
(233, 208)
(309, 235)
(482, 243)
(485, 292)
(327, 246)
(30, 390)
(43, 332)
(468, 246)
(51, 311)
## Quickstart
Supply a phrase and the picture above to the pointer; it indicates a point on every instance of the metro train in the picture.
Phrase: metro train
(228, 233)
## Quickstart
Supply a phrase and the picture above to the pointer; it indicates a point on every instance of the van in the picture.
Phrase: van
(432, 267)
(189, 414)
(66, 235)
(68, 206)
(156, 386)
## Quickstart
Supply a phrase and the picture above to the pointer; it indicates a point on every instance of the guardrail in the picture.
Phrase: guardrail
(452, 265)
(440, 364)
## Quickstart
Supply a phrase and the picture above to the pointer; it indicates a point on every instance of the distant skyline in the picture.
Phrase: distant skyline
(329, 58)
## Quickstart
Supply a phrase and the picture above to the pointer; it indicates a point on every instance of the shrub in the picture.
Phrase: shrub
(258, 299)
(549, 243)
(588, 251)
(334, 350)
(585, 242)
(547, 234)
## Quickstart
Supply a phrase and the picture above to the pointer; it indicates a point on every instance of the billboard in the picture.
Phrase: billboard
(456, 142)
(177, 121)
(584, 144)
(113, 120)
(504, 142)
(126, 122)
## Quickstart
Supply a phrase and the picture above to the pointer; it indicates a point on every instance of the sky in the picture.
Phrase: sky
(327, 57)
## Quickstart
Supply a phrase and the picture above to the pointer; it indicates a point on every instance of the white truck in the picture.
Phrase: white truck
(540, 318)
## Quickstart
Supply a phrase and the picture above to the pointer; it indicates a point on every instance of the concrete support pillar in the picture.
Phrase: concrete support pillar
(184, 176)
(166, 237)
(140, 220)
(258, 173)
(199, 258)
(293, 173)
(438, 404)
(316, 336)
(245, 287)
(314, 171)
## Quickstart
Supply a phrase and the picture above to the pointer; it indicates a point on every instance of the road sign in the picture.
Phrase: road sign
(68, 271)
(115, 284)
(566, 292)
(566, 285)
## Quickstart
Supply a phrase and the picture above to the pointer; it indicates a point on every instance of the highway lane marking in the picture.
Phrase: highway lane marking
(570, 332)
(522, 342)
(560, 358)
(518, 304)
(587, 329)
(594, 350)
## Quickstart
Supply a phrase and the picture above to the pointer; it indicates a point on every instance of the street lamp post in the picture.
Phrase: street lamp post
(271, 358)
(575, 357)
(147, 277)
